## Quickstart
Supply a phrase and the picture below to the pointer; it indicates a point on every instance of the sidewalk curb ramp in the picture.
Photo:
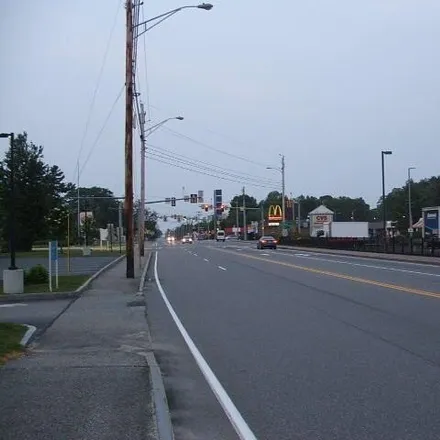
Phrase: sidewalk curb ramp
(24, 297)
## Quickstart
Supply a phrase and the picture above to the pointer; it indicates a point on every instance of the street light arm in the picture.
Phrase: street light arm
(166, 15)
(274, 168)
(152, 129)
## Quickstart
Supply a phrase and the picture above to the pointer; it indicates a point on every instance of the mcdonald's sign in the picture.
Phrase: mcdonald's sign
(275, 213)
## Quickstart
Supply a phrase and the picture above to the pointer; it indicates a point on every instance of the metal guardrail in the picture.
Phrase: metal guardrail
(395, 245)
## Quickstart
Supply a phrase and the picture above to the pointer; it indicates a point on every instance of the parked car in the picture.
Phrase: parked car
(267, 242)
(187, 239)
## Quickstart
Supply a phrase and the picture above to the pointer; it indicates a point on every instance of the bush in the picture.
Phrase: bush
(36, 275)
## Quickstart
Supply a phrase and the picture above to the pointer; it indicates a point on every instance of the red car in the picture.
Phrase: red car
(267, 242)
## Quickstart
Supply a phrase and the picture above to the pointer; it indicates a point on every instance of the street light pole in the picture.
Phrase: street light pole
(410, 227)
(132, 34)
(144, 135)
(244, 214)
(12, 202)
(283, 189)
(237, 221)
(384, 208)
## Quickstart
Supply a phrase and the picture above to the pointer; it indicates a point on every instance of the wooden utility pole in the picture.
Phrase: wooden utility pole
(141, 225)
(128, 205)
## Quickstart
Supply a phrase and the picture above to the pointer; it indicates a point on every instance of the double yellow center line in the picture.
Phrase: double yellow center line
(338, 275)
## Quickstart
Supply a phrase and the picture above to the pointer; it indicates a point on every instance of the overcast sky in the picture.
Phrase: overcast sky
(329, 84)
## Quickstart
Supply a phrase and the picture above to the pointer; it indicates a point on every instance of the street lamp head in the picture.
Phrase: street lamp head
(5, 135)
(205, 6)
(387, 152)
(179, 118)
(411, 168)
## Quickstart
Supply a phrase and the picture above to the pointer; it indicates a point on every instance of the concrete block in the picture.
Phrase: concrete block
(13, 281)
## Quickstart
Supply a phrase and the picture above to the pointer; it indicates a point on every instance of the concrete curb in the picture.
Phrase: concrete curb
(379, 256)
(99, 272)
(144, 275)
(28, 335)
(24, 297)
(162, 412)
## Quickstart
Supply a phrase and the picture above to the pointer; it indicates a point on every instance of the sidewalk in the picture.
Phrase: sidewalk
(87, 378)
(377, 255)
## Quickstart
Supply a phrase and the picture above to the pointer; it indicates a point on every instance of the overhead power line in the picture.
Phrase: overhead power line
(98, 81)
(200, 169)
(216, 168)
(102, 129)
(209, 147)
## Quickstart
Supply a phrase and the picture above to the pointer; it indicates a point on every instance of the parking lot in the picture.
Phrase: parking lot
(78, 265)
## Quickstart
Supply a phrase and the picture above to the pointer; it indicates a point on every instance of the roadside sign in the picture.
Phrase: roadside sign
(54, 250)
(285, 233)
(410, 230)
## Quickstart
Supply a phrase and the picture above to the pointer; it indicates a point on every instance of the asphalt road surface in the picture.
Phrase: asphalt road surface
(306, 346)
(40, 314)
(78, 265)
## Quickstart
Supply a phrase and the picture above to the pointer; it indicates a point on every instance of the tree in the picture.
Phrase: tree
(100, 201)
(40, 189)
(57, 223)
(347, 209)
(424, 193)
(89, 230)
(151, 217)
(237, 202)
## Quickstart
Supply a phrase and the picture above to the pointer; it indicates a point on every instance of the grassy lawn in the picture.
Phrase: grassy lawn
(10, 337)
(44, 253)
(66, 283)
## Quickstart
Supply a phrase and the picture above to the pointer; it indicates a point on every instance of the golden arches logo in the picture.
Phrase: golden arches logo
(275, 213)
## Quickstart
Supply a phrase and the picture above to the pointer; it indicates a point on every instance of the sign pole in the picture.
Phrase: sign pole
(68, 242)
(56, 264)
(50, 266)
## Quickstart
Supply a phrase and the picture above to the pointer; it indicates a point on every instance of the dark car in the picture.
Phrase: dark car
(267, 242)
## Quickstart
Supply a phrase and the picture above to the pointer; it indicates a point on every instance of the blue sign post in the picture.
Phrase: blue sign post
(53, 258)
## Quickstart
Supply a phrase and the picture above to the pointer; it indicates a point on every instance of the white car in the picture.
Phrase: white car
(220, 236)
(187, 239)
(171, 239)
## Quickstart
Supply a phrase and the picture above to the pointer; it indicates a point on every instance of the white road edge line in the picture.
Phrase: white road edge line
(234, 416)
(195, 255)
(205, 259)
(13, 305)
(221, 268)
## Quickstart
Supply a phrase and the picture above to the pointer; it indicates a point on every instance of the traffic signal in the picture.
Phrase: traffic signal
(173, 201)
(218, 202)
(206, 207)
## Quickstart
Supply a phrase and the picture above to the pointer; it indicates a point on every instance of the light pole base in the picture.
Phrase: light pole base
(13, 281)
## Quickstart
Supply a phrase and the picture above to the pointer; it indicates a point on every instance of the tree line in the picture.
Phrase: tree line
(46, 205)
(425, 192)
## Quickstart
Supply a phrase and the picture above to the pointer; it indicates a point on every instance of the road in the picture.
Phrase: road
(40, 314)
(306, 346)
(78, 265)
